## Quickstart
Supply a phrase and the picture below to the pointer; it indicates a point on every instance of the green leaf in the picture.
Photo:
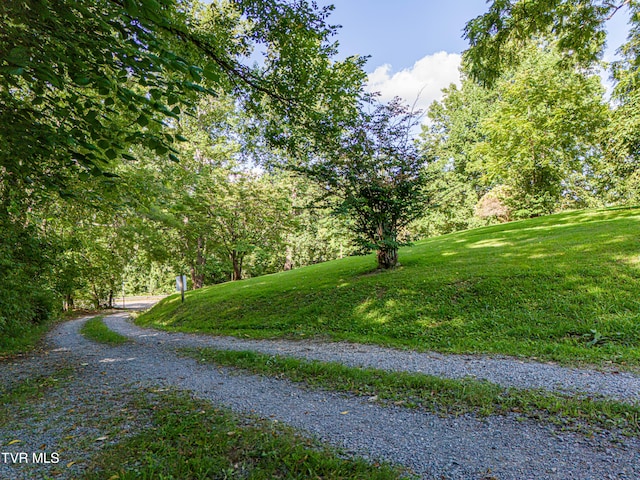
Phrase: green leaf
(18, 56)
(12, 70)
(111, 154)
(82, 81)
(173, 158)
(143, 120)
(195, 73)
(126, 156)
(211, 73)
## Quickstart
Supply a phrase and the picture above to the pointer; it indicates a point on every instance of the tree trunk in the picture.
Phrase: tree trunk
(96, 298)
(236, 260)
(68, 302)
(288, 261)
(197, 279)
(387, 246)
(110, 305)
(387, 258)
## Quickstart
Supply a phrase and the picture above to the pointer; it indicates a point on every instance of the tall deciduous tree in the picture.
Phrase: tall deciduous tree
(577, 29)
(247, 212)
(457, 179)
(543, 133)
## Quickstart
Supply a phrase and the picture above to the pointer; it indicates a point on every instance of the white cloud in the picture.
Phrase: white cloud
(424, 81)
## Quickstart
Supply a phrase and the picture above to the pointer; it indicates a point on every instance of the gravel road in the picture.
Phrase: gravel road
(463, 447)
(507, 372)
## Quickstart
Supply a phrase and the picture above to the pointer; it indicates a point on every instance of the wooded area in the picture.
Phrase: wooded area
(141, 139)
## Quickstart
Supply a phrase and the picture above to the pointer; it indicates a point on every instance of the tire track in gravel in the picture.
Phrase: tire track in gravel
(463, 447)
(507, 372)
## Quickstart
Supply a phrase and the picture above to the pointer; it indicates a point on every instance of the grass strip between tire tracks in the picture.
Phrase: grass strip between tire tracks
(434, 394)
(96, 330)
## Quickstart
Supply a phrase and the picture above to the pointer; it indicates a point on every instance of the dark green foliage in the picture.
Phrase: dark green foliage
(26, 298)
(85, 79)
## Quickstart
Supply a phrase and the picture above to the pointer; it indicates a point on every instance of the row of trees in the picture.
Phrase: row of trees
(90, 90)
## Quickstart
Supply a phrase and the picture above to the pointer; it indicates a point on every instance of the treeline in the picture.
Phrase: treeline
(535, 142)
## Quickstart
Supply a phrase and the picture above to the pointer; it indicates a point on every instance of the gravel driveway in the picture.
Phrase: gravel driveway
(463, 447)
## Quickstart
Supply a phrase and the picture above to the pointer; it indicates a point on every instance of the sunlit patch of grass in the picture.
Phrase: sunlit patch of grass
(538, 290)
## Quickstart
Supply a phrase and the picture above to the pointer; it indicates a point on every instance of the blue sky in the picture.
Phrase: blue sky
(400, 32)
(415, 45)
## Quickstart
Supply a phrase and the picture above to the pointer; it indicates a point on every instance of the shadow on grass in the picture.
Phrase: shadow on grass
(564, 287)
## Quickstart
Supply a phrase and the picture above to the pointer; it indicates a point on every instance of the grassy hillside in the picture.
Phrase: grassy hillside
(564, 287)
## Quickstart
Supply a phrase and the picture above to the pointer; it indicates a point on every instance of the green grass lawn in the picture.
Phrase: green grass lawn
(564, 287)
(190, 439)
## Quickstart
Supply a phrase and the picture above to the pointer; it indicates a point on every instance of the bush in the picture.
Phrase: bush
(493, 205)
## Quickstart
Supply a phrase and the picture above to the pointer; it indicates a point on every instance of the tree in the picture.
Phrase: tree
(247, 212)
(86, 85)
(577, 29)
(457, 177)
(372, 173)
(543, 133)
(70, 71)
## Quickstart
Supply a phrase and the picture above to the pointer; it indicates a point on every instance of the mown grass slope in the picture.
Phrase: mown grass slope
(564, 287)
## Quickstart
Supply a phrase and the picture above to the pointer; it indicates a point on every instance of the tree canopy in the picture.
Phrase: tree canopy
(83, 80)
(577, 29)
